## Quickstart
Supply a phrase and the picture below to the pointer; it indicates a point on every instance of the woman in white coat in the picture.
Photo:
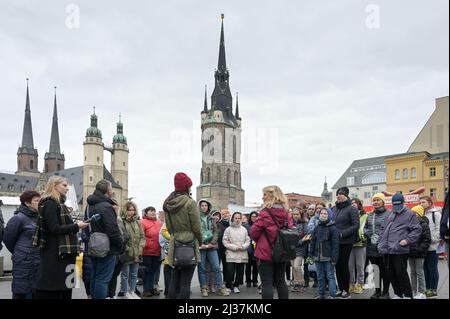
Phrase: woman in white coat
(236, 241)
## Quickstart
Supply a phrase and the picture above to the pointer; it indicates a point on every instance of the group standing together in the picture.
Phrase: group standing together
(333, 248)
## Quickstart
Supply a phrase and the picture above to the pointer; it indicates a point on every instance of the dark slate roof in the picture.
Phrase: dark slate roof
(342, 181)
(17, 181)
(438, 156)
(74, 176)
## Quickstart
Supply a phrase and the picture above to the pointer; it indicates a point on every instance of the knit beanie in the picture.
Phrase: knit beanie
(380, 196)
(418, 210)
(182, 182)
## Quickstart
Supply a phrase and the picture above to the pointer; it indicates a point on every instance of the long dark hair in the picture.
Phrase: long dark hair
(360, 205)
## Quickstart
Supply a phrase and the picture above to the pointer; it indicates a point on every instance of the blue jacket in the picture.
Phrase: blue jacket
(400, 225)
(302, 248)
(325, 242)
(17, 238)
(346, 218)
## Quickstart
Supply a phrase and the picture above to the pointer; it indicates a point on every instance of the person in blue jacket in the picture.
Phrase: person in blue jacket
(17, 238)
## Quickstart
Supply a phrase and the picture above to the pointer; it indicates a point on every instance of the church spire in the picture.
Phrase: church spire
(54, 160)
(205, 105)
(237, 106)
(27, 155)
(222, 64)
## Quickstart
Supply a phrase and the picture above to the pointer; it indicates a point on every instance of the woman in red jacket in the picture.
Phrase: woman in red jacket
(152, 250)
(264, 232)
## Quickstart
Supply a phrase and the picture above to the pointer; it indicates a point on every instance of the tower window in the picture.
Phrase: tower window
(46, 167)
(90, 179)
(98, 159)
(228, 177)
(58, 167)
(31, 164)
(123, 164)
(234, 149)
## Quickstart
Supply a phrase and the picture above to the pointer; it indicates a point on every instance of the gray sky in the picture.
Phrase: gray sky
(321, 83)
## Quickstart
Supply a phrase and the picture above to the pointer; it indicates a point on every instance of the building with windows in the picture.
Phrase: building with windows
(364, 178)
(297, 200)
(409, 171)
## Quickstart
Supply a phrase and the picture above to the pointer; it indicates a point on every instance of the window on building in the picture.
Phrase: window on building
(405, 173)
(367, 195)
(432, 192)
(413, 172)
(432, 171)
(374, 178)
(397, 174)
(375, 188)
(350, 181)
(98, 159)
(208, 175)
(123, 164)
(31, 164)
(58, 167)
(228, 177)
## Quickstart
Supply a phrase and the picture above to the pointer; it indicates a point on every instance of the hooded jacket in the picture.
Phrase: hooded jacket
(398, 226)
(183, 221)
(208, 223)
(346, 218)
(103, 205)
(302, 248)
(134, 246)
(325, 242)
(236, 240)
(434, 224)
(264, 230)
(151, 230)
(26, 258)
(374, 221)
(419, 248)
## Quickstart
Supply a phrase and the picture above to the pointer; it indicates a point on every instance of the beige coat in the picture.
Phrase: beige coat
(236, 241)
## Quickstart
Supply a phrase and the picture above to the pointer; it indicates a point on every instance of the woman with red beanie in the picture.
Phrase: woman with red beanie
(183, 224)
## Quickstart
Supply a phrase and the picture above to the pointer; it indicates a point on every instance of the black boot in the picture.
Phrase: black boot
(377, 294)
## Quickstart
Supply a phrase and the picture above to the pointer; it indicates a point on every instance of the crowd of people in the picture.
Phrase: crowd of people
(334, 249)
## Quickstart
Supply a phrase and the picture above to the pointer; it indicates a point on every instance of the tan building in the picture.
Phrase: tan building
(409, 171)
(296, 200)
(433, 138)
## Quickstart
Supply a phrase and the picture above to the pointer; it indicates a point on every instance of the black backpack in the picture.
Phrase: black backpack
(286, 241)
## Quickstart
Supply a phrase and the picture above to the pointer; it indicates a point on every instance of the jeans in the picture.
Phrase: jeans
(112, 287)
(251, 270)
(325, 270)
(417, 275)
(23, 296)
(151, 264)
(397, 271)
(357, 261)
(167, 278)
(128, 277)
(297, 270)
(342, 272)
(273, 274)
(430, 268)
(102, 272)
(53, 294)
(235, 274)
(213, 258)
(180, 283)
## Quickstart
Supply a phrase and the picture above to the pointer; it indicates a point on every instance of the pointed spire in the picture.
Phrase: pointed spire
(237, 106)
(205, 106)
(54, 148)
(27, 136)
(222, 65)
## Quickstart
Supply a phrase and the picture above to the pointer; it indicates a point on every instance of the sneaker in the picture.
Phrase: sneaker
(296, 288)
(137, 292)
(351, 288)
(236, 290)
(259, 289)
(319, 297)
(121, 294)
(330, 297)
(366, 286)
(338, 294)
(358, 289)
(223, 291)
(345, 295)
(397, 297)
(204, 292)
(434, 293)
(420, 296)
(147, 294)
(428, 293)
(212, 290)
(255, 284)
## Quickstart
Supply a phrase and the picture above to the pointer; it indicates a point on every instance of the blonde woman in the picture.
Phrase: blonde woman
(133, 250)
(264, 232)
(56, 236)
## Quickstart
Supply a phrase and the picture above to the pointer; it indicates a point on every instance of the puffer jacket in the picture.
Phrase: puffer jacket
(398, 226)
(376, 217)
(183, 221)
(434, 224)
(209, 223)
(134, 246)
(151, 230)
(420, 247)
(302, 248)
(325, 242)
(264, 230)
(26, 258)
(236, 240)
(346, 218)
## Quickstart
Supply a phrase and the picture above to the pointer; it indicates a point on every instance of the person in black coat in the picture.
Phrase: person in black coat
(17, 238)
(417, 254)
(251, 268)
(346, 218)
(100, 202)
(56, 235)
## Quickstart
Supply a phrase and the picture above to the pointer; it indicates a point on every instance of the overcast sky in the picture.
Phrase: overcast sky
(321, 83)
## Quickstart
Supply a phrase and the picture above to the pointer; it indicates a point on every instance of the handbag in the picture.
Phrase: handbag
(375, 237)
(98, 245)
(183, 252)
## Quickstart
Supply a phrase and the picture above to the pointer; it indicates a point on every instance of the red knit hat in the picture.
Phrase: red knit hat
(182, 182)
